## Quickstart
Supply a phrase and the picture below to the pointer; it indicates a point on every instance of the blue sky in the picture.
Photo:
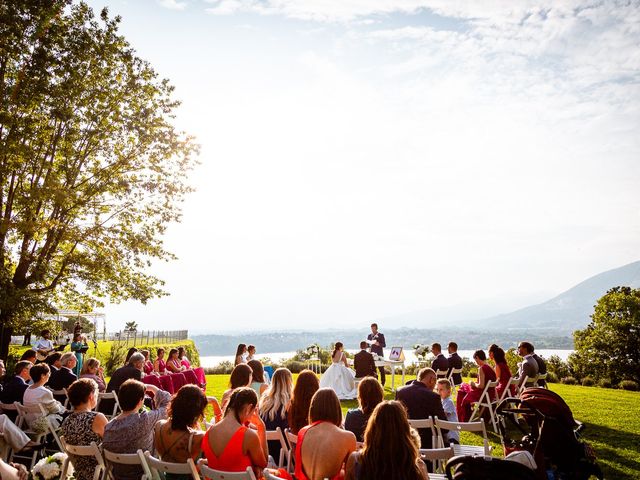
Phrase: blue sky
(362, 159)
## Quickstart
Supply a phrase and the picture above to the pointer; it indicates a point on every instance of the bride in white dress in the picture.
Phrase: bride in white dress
(339, 376)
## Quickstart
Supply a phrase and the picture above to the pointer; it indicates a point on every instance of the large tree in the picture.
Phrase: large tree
(610, 345)
(91, 168)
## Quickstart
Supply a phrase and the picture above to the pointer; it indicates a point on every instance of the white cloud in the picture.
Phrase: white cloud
(173, 4)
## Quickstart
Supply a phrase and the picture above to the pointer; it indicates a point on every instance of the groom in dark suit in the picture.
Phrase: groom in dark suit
(363, 362)
(377, 344)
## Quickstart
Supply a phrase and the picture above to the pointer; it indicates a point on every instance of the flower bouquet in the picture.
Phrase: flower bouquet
(421, 351)
(313, 350)
(49, 468)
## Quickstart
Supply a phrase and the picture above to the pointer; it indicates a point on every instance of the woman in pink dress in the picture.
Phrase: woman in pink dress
(147, 367)
(502, 370)
(182, 356)
(160, 366)
(173, 362)
(470, 393)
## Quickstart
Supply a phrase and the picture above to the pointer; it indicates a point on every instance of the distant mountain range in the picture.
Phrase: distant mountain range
(548, 324)
(570, 310)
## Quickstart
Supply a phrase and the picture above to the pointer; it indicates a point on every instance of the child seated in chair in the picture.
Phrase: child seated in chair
(443, 387)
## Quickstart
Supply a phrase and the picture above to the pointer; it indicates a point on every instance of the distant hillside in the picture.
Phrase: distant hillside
(570, 310)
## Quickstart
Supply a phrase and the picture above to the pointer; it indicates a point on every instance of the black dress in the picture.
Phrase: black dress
(279, 420)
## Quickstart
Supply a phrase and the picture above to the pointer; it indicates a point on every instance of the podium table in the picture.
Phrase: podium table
(393, 364)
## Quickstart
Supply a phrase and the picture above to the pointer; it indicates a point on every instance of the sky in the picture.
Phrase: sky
(366, 158)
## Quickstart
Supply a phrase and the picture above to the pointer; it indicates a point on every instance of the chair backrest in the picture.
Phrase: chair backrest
(292, 439)
(484, 397)
(212, 474)
(116, 403)
(453, 372)
(39, 410)
(61, 394)
(422, 423)
(465, 427)
(513, 382)
(441, 373)
(90, 450)
(527, 381)
(137, 458)
(159, 468)
(541, 376)
(436, 453)
(278, 436)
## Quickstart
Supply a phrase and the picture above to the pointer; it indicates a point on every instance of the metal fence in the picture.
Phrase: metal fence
(146, 337)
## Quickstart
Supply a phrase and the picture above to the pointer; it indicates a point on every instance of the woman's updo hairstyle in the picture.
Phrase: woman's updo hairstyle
(239, 398)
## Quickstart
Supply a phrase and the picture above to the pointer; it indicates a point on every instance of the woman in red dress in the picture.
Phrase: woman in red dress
(470, 393)
(503, 373)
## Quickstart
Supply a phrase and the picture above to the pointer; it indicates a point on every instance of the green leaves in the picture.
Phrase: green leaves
(91, 168)
(610, 345)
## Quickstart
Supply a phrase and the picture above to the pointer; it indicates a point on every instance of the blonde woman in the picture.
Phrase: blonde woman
(274, 404)
(92, 369)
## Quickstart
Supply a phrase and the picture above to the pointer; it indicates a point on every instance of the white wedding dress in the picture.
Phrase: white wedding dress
(340, 378)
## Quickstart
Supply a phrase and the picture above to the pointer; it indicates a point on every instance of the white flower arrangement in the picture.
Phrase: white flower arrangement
(313, 349)
(420, 351)
(49, 468)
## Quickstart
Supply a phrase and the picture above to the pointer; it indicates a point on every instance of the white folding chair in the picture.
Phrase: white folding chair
(21, 421)
(212, 474)
(528, 382)
(90, 450)
(116, 405)
(438, 456)
(159, 469)
(61, 394)
(137, 458)
(450, 378)
(542, 376)
(292, 439)
(426, 423)
(466, 427)
(277, 435)
(485, 402)
(441, 373)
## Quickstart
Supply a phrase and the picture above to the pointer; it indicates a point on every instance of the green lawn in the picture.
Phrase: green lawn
(612, 418)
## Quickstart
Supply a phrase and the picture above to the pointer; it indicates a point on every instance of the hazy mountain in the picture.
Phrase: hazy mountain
(570, 310)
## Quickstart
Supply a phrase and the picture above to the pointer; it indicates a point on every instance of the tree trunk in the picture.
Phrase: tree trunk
(5, 335)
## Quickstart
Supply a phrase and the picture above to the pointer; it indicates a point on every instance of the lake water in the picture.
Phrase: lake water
(212, 361)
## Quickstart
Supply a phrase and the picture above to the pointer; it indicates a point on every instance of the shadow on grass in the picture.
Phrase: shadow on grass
(610, 443)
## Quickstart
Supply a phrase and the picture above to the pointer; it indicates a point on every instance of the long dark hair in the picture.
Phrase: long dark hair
(240, 349)
(258, 370)
(389, 460)
(239, 398)
(240, 376)
(187, 407)
(307, 385)
(499, 355)
(336, 347)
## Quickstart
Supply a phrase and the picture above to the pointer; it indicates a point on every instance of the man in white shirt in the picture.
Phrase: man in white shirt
(44, 345)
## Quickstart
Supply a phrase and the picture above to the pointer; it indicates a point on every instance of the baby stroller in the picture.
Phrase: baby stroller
(541, 423)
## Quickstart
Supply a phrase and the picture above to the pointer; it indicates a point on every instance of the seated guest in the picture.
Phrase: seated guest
(132, 370)
(230, 445)
(184, 360)
(133, 428)
(83, 425)
(241, 376)
(542, 366)
(130, 352)
(257, 377)
(273, 406)
(251, 353)
(15, 387)
(173, 362)
(39, 394)
(370, 394)
(471, 393)
(503, 373)
(306, 386)
(64, 376)
(29, 356)
(528, 367)
(454, 361)
(53, 360)
(13, 437)
(160, 366)
(422, 402)
(323, 447)
(443, 386)
(364, 363)
(241, 353)
(92, 369)
(381, 459)
(178, 438)
(440, 363)
(147, 367)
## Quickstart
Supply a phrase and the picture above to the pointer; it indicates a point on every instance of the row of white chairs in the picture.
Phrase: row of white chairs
(486, 403)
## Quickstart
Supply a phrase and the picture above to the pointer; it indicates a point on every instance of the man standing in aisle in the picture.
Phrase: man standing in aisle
(377, 342)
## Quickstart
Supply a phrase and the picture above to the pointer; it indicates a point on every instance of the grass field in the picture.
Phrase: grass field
(612, 418)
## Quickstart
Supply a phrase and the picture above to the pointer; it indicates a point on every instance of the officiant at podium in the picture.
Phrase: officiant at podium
(376, 340)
